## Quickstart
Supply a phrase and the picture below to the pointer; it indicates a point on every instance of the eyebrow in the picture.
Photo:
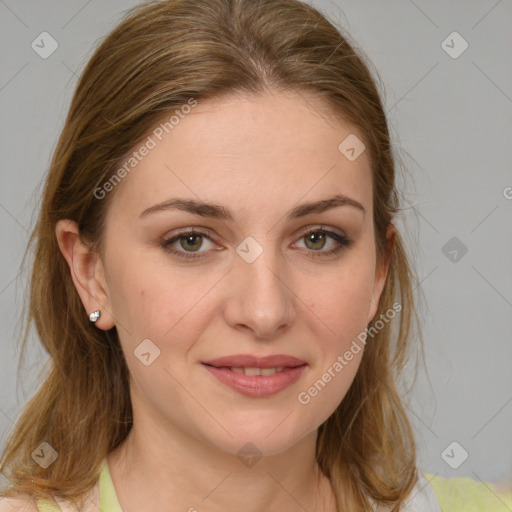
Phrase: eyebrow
(217, 211)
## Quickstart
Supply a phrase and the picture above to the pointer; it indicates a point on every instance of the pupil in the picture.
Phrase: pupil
(190, 239)
(316, 237)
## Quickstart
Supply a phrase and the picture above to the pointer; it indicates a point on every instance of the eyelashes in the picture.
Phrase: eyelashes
(194, 237)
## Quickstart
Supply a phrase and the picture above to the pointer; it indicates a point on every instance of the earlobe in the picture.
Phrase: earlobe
(381, 271)
(86, 270)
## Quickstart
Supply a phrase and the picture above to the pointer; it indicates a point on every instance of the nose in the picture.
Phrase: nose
(260, 299)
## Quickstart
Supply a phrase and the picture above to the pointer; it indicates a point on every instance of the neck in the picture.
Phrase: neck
(154, 469)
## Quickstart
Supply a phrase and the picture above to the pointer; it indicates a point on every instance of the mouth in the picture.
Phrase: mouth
(254, 370)
(254, 381)
(249, 361)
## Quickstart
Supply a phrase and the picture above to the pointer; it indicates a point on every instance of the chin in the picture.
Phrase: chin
(272, 436)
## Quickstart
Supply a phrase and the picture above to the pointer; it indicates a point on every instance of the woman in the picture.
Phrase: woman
(218, 280)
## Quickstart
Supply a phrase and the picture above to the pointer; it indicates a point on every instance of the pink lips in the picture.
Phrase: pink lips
(256, 385)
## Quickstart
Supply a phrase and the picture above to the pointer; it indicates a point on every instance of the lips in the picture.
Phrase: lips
(257, 376)
(250, 361)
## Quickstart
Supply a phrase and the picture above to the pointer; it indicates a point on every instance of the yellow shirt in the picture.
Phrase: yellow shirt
(107, 492)
(452, 495)
(468, 495)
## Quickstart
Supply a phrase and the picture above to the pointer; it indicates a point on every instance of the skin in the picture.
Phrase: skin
(259, 156)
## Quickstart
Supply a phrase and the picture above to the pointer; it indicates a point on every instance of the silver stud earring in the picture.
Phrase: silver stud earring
(95, 316)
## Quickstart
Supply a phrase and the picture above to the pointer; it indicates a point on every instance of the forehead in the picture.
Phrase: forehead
(267, 150)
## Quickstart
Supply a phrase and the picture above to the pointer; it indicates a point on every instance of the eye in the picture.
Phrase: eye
(315, 240)
(188, 240)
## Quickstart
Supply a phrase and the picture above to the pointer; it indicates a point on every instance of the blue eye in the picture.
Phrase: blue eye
(193, 239)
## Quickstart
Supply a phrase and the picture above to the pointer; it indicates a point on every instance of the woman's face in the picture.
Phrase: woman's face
(249, 281)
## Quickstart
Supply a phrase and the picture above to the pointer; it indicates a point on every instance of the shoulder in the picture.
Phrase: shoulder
(454, 494)
(422, 498)
(18, 505)
(29, 504)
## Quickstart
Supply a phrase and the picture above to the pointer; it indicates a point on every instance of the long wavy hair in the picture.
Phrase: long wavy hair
(162, 54)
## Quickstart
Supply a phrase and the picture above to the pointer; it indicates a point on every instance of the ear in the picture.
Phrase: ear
(87, 272)
(381, 271)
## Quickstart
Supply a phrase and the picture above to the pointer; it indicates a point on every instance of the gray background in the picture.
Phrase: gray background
(451, 120)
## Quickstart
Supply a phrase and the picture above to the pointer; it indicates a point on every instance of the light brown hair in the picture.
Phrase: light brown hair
(161, 55)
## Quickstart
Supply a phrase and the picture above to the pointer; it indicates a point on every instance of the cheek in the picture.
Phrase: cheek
(157, 301)
(338, 315)
(341, 299)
